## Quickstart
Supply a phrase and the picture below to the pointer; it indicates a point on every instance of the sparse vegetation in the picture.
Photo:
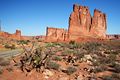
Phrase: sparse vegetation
(71, 70)
(57, 58)
(9, 46)
(99, 57)
(53, 65)
(114, 76)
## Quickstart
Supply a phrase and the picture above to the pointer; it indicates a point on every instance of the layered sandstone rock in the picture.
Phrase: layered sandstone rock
(81, 24)
(56, 34)
(98, 26)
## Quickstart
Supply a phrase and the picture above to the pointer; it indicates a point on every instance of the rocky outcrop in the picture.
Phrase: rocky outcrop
(81, 24)
(99, 25)
(16, 35)
(56, 34)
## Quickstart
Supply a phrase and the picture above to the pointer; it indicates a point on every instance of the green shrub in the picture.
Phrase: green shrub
(53, 65)
(71, 70)
(100, 68)
(67, 52)
(23, 42)
(9, 46)
(114, 76)
(57, 58)
(91, 46)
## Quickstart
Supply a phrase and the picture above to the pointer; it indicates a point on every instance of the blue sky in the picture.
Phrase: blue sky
(33, 16)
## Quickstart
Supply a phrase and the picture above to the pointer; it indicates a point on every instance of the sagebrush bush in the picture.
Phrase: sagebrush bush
(53, 65)
(71, 70)
(114, 76)
(9, 46)
(100, 68)
(57, 58)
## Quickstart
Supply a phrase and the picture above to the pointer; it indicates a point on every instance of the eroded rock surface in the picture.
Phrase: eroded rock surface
(81, 26)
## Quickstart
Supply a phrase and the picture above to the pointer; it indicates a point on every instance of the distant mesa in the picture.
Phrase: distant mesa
(16, 35)
(82, 27)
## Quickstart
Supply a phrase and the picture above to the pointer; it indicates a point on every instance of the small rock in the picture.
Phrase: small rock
(62, 68)
(80, 77)
(88, 57)
(48, 73)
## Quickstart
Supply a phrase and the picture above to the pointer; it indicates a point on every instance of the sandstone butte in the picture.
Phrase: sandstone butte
(82, 27)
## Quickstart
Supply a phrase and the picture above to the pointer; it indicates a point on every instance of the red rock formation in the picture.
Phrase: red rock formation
(56, 34)
(81, 24)
(16, 35)
(98, 27)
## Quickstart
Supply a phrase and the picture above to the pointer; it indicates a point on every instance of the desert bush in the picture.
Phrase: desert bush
(100, 68)
(57, 58)
(23, 42)
(52, 44)
(13, 46)
(95, 63)
(9, 46)
(91, 46)
(104, 60)
(72, 42)
(79, 56)
(4, 62)
(67, 52)
(112, 57)
(53, 65)
(34, 60)
(75, 45)
(71, 70)
(114, 76)
(117, 68)
(107, 78)
(9, 69)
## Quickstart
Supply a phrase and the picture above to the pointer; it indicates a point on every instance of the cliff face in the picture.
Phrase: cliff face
(79, 21)
(81, 24)
(98, 26)
(56, 34)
